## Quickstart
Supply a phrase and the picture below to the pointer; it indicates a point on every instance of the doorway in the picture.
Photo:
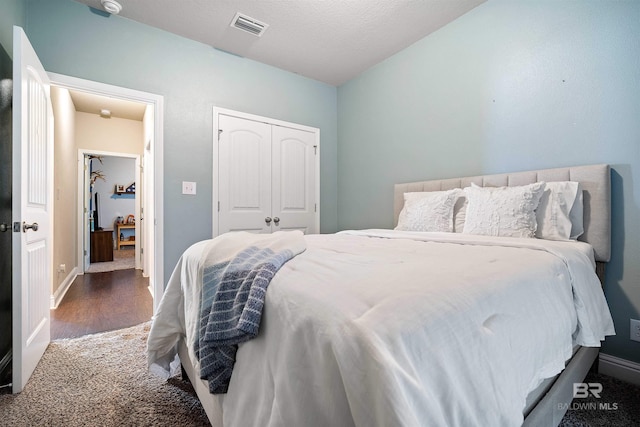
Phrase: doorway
(149, 212)
(111, 208)
(33, 145)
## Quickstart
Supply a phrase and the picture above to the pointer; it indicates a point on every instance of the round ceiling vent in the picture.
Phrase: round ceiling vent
(111, 6)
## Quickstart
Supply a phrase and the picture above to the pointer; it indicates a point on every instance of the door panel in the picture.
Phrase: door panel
(294, 186)
(31, 205)
(244, 175)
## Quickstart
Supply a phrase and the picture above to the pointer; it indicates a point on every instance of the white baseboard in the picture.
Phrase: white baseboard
(622, 369)
(57, 296)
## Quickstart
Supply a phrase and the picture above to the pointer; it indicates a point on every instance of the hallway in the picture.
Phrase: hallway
(98, 302)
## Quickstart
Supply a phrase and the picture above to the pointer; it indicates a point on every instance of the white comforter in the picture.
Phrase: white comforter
(385, 328)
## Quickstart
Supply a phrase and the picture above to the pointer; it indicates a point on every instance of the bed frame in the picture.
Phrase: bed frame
(211, 403)
(546, 405)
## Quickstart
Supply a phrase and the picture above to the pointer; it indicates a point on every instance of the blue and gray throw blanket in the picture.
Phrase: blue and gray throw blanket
(235, 277)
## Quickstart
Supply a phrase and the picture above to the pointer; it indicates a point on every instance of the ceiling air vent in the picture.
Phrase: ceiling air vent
(250, 25)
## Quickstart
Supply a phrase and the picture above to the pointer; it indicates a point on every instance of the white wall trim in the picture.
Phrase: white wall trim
(269, 120)
(156, 274)
(622, 369)
(57, 296)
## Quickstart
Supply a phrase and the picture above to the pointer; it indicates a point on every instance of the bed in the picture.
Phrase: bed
(405, 327)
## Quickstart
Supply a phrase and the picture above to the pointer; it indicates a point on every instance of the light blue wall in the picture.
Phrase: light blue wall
(193, 78)
(12, 12)
(117, 171)
(508, 86)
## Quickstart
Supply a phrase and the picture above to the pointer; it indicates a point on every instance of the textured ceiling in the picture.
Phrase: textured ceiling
(328, 40)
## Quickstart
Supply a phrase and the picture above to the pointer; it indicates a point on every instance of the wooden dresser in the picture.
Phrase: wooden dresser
(101, 246)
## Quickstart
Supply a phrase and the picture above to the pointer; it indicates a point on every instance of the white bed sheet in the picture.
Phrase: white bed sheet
(380, 328)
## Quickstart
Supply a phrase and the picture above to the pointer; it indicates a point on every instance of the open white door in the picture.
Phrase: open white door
(31, 209)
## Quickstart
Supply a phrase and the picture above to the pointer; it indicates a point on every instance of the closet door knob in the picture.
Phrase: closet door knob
(268, 220)
(276, 220)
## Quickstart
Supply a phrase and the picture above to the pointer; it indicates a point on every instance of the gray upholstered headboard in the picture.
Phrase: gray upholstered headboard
(596, 185)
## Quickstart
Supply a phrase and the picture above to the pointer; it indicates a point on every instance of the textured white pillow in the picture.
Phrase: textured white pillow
(577, 216)
(459, 213)
(554, 211)
(502, 211)
(428, 211)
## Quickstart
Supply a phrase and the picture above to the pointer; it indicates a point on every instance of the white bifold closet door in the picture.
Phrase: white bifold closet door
(266, 177)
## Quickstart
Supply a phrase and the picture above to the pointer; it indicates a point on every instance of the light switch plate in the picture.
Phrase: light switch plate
(188, 187)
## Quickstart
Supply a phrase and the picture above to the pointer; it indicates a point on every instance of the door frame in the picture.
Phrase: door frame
(82, 202)
(155, 225)
(217, 111)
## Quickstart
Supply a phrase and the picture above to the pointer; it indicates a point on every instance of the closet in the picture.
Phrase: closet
(267, 175)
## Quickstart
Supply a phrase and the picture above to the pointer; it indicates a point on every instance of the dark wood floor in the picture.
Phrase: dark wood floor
(99, 302)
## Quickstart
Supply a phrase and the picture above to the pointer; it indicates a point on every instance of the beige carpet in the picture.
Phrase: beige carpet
(123, 259)
(101, 380)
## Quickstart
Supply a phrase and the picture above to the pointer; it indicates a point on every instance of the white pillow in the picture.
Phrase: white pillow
(459, 213)
(502, 211)
(577, 215)
(554, 217)
(428, 211)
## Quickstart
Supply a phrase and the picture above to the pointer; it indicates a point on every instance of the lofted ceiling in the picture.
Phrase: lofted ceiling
(327, 40)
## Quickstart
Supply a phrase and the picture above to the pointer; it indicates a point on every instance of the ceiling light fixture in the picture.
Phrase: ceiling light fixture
(111, 6)
(106, 114)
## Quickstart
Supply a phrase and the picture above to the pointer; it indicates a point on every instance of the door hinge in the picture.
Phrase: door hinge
(218, 205)
(85, 253)
(16, 227)
(141, 251)
(315, 208)
(315, 150)
(219, 132)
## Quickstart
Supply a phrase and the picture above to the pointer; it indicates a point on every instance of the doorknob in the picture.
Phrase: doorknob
(268, 220)
(26, 226)
(4, 227)
(276, 220)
